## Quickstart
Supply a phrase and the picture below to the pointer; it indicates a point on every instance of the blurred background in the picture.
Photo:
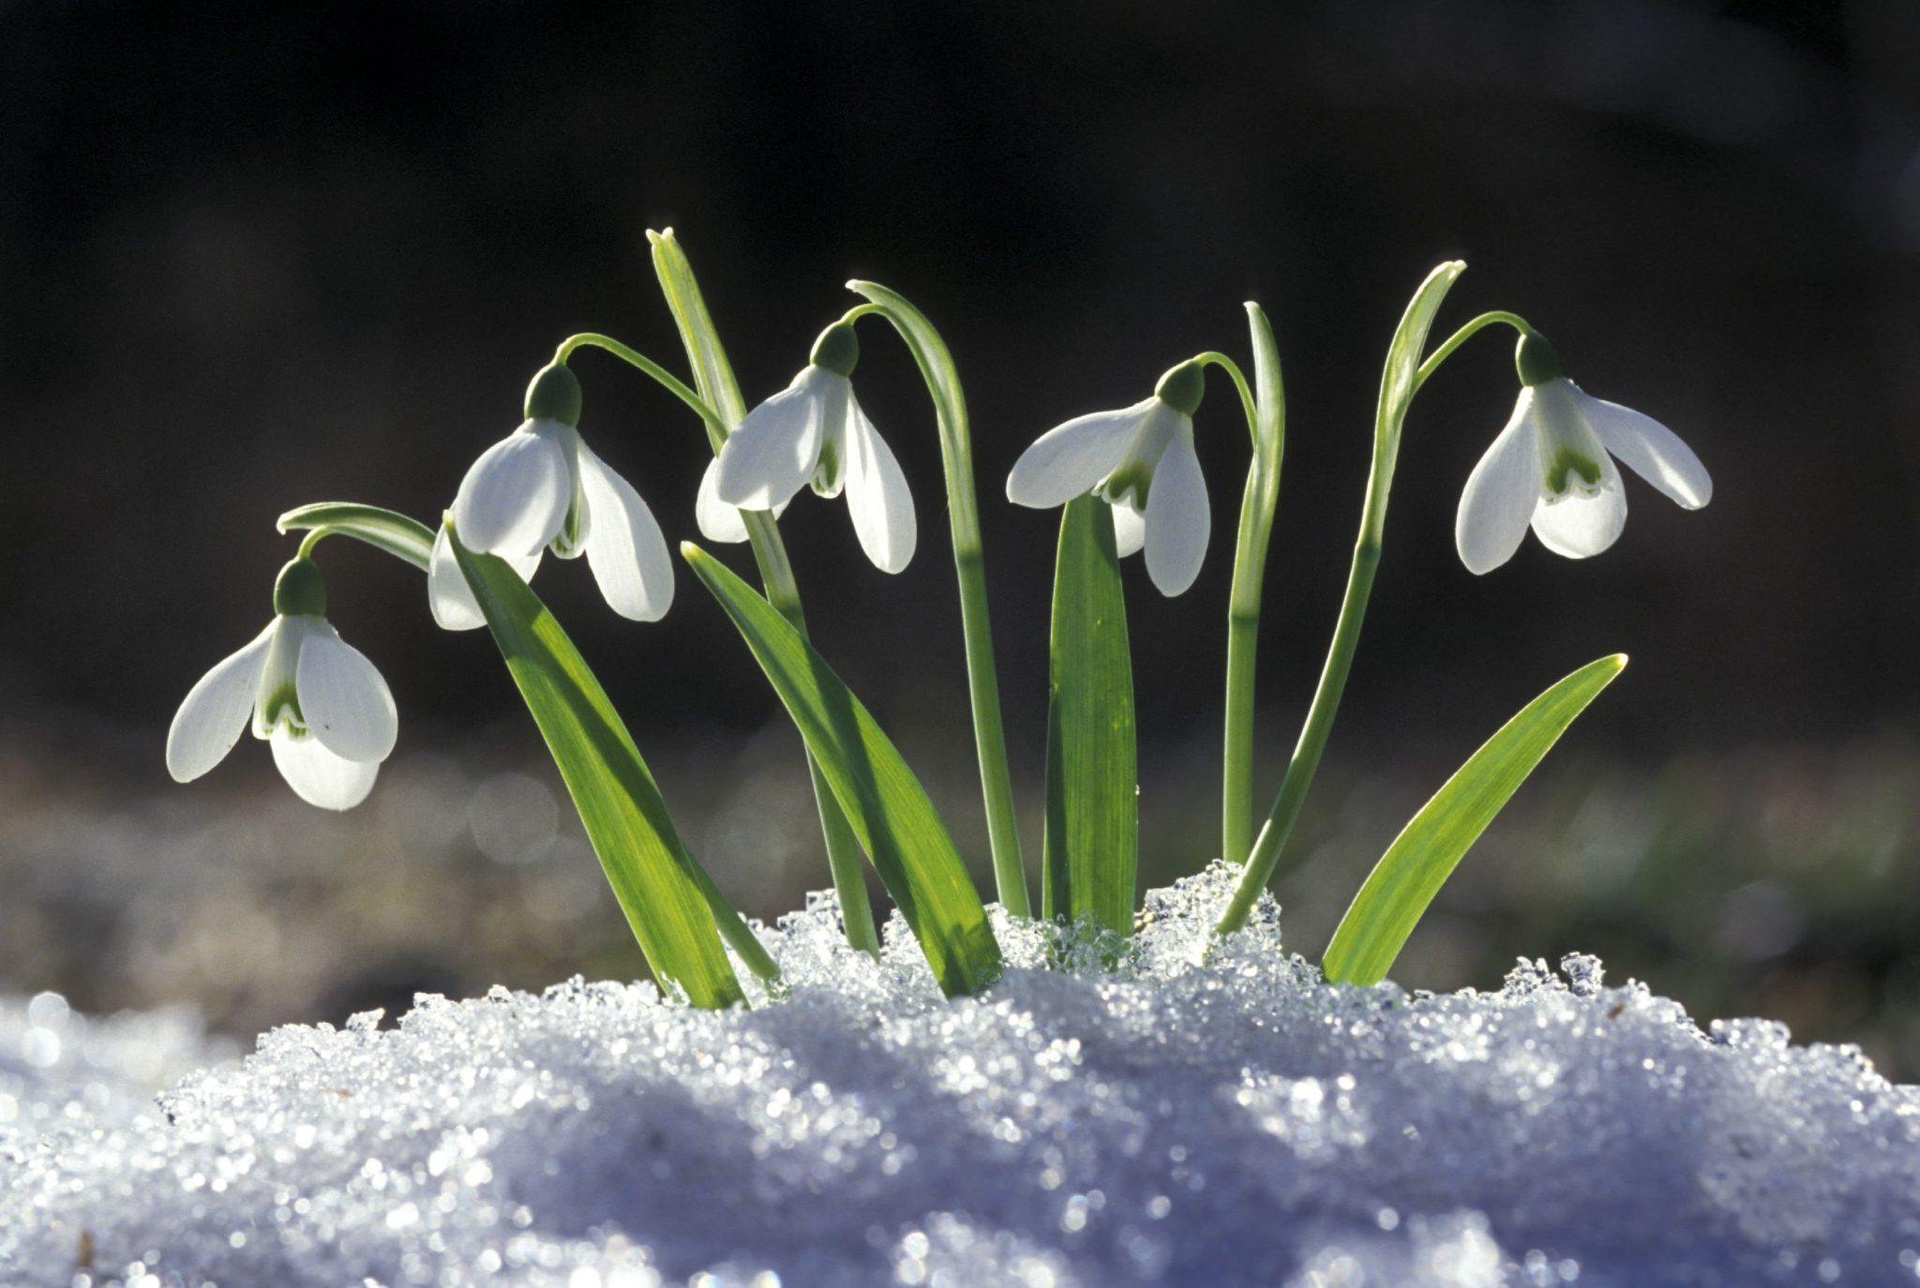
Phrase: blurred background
(260, 257)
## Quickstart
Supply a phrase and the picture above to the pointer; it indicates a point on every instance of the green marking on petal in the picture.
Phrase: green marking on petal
(1128, 485)
(1567, 461)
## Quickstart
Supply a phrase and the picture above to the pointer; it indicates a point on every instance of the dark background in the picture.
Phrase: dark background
(254, 258)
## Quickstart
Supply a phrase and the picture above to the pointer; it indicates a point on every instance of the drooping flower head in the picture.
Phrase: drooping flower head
(542, 488)
(322, 706)
(1552, 468)
(813, 432)
(1141, 461)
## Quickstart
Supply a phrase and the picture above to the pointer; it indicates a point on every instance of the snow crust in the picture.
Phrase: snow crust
(1190, 1119)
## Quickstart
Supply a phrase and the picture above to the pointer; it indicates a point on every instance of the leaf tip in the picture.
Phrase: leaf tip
(691, 553)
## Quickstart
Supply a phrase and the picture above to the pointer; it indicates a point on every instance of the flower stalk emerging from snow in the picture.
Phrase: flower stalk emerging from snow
(1140, 460)
(813, 432)
(316, 699)
(1552, 468)
(542, 488)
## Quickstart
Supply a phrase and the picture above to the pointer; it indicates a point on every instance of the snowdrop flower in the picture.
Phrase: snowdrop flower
(316, 699)
(1140, 460)
(814, 432)
(541, 487)
(1553, 467)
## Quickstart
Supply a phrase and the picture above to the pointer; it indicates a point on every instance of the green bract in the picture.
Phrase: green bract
(1125, 480)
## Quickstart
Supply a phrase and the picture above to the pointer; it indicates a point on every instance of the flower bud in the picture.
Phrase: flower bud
(837, 349)
(554, 394)
(1536, 360)
(1182, 387)
(300, 590)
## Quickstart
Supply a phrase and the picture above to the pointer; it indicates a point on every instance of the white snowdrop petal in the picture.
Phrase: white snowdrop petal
(1580, 526)
(449, 596)
(773, 452)
(1129, 529)
(1070, 460)
(318, 776)
(718, 521)
(1500, 495)
(1178, 518)
(877, 494)
(343, 698)
(515, 497)
(215, 710)
(625, 548)
(1650, 450)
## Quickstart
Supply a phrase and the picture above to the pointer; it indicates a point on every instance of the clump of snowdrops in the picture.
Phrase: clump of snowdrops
(1125, 481)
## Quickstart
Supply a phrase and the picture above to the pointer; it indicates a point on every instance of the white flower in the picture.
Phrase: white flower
(1141, 461)
(323, 707)
(814, 432)
(541, 487)
(1553, 468)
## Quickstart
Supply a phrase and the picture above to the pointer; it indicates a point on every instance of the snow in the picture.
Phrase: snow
(1222, 1119)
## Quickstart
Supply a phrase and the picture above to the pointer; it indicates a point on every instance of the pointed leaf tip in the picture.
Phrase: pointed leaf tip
(1402, 885)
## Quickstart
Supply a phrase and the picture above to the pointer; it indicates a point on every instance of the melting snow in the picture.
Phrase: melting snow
(1227, 1120)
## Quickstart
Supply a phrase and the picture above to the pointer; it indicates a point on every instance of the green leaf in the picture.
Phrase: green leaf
(1400, 378)
(386, 530)
(889, 810)
(1421, 859)
(712, 373)
(1093, 830)
(657, 882)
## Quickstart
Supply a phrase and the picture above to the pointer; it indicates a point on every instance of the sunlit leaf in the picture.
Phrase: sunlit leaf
(1421, 859)
(1093, 833)
(656, 881)
(889, 810)
(1399, 378)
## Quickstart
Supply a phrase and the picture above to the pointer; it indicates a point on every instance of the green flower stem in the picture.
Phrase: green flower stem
(963, 514)
(1445, 348)
(1267, 422)
(634, 358)
(405, 539)
(411, 541)
(1399, 381)
(722, 407)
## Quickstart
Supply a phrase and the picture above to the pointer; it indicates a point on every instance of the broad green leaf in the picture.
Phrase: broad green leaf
(656, 881)
(1093, 830)
(889, 810)
(396, 534)
(1423, 856)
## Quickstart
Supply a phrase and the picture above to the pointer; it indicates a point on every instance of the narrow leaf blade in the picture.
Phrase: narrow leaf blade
(654, 877)
(1399, 379)
(884, 802)
(1093, 831)
(1425, 853)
